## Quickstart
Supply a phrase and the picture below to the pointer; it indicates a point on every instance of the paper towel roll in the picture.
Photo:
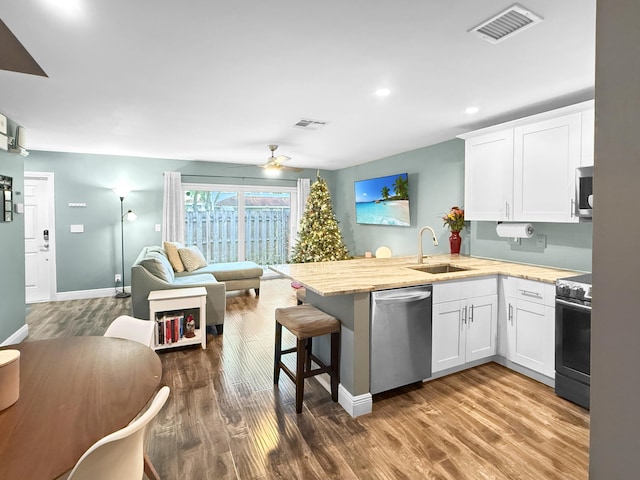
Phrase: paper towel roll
(515, 230)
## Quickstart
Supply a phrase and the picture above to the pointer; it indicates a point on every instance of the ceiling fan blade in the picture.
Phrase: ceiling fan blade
(291, 169)
(281, 158)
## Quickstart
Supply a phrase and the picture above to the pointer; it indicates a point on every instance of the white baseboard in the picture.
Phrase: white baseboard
(355, 406)
(17, 337)
(84, 294)
(550, 382)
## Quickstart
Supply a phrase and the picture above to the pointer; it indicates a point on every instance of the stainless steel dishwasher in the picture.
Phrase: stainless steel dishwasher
(400, 337)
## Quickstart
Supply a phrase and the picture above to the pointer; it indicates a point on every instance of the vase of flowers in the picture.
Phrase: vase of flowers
(455, 221)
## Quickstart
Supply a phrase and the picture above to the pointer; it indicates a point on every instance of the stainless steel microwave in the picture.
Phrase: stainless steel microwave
(583, 201)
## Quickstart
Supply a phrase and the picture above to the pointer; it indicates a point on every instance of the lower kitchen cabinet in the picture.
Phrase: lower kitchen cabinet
(464, 330)
(527, 324)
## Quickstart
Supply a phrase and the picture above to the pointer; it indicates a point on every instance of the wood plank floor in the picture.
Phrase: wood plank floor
(225, 420)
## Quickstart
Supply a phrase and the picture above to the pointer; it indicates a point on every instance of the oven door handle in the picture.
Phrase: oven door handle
(577, 306)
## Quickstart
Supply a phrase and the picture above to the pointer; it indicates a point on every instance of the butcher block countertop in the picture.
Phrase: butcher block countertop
(369, 274)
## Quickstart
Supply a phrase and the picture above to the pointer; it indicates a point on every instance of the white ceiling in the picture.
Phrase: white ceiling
(220, 80)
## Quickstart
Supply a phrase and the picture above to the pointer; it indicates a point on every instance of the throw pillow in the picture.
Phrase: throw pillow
(192, 258)
(172, 254)
(158, 265)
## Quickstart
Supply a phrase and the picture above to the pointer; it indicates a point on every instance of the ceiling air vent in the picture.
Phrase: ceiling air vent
(309, 124)
(513, 20)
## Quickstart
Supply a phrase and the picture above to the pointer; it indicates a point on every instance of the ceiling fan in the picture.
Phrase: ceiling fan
(276, 163)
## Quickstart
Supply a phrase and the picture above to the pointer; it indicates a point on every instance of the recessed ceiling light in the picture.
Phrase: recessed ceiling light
(69, 7)
(383, 92)
(471, 110)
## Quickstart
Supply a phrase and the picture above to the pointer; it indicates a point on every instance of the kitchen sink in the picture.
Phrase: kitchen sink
(439, 268)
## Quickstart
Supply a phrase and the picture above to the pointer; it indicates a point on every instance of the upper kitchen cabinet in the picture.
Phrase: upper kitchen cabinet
(488, 176)
(588, 137)
(546, 155)
(524, 170)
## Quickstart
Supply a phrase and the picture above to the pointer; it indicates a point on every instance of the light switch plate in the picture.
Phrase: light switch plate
(77, 228)
(157, 227)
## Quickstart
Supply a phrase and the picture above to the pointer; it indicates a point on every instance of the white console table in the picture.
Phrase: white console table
(177, 300)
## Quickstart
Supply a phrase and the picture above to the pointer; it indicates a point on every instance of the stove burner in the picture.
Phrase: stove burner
(576, 288)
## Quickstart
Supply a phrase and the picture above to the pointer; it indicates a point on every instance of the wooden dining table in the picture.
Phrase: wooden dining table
(73, 392)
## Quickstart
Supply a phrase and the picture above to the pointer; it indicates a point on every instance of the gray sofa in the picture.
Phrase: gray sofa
(153, 271)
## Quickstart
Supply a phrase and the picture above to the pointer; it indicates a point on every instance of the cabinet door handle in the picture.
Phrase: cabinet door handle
(529, 293)
(471, 314)
(464, 314)
(506, 209)
(511, 314)
(572, 207)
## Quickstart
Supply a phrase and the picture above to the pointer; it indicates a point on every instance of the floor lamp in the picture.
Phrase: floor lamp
(120, 192)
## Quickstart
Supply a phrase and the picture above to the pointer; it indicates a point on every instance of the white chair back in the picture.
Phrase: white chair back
(130, 328)
(120, 455)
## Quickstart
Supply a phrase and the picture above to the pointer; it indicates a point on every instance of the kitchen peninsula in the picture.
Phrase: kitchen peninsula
(342, 288)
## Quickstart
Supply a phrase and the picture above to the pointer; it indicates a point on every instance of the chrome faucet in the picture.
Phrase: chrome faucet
(433, 235)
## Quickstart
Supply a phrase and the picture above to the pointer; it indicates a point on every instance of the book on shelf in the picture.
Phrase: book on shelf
(169, 328)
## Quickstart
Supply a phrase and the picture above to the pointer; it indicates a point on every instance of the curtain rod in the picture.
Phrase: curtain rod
(242, 178)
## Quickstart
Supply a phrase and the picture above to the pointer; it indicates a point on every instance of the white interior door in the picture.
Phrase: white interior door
(39, 233)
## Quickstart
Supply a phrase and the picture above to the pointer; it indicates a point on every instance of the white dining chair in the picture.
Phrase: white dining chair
(130, 328)
(119, 455)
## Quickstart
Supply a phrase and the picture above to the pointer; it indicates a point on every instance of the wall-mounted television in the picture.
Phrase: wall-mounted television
(383, 200)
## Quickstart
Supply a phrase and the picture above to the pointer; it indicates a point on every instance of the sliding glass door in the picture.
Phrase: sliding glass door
(234, 223)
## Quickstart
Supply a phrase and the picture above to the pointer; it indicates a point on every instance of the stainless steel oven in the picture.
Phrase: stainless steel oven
(573, 338)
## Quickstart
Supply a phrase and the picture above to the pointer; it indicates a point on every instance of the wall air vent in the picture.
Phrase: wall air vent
(308, 124)
(513, 20)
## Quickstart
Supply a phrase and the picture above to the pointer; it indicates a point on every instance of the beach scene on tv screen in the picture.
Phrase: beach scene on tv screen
(383, 200)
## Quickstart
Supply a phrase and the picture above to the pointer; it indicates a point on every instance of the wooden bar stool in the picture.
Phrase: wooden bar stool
(305, 322)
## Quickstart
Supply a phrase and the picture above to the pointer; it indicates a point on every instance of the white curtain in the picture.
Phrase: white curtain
(173, 208)
(304, 185)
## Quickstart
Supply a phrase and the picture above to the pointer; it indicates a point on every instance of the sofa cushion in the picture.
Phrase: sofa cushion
(158, 265)
(174, 257)
(232, 270)
(194, 280)
(191, 258)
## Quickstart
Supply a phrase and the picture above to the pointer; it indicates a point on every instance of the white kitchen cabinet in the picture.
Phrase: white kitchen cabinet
(546, 155)
(524, 170)
(588, 137)
(527, 324)
(488, 176)
(464, 329)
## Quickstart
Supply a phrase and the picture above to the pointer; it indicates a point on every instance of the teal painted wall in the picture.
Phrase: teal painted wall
(568, 245)
(89, 260)
(436, 182)
(12, 296)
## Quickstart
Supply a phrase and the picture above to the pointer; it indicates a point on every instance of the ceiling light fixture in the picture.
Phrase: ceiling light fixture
(70, 7)
(471, 110)
(383, 92)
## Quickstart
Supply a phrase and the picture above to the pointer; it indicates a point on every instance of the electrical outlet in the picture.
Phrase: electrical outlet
(118, 278)
(541, 241)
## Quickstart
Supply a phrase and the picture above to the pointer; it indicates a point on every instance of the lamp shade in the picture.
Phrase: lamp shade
(122, 191)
